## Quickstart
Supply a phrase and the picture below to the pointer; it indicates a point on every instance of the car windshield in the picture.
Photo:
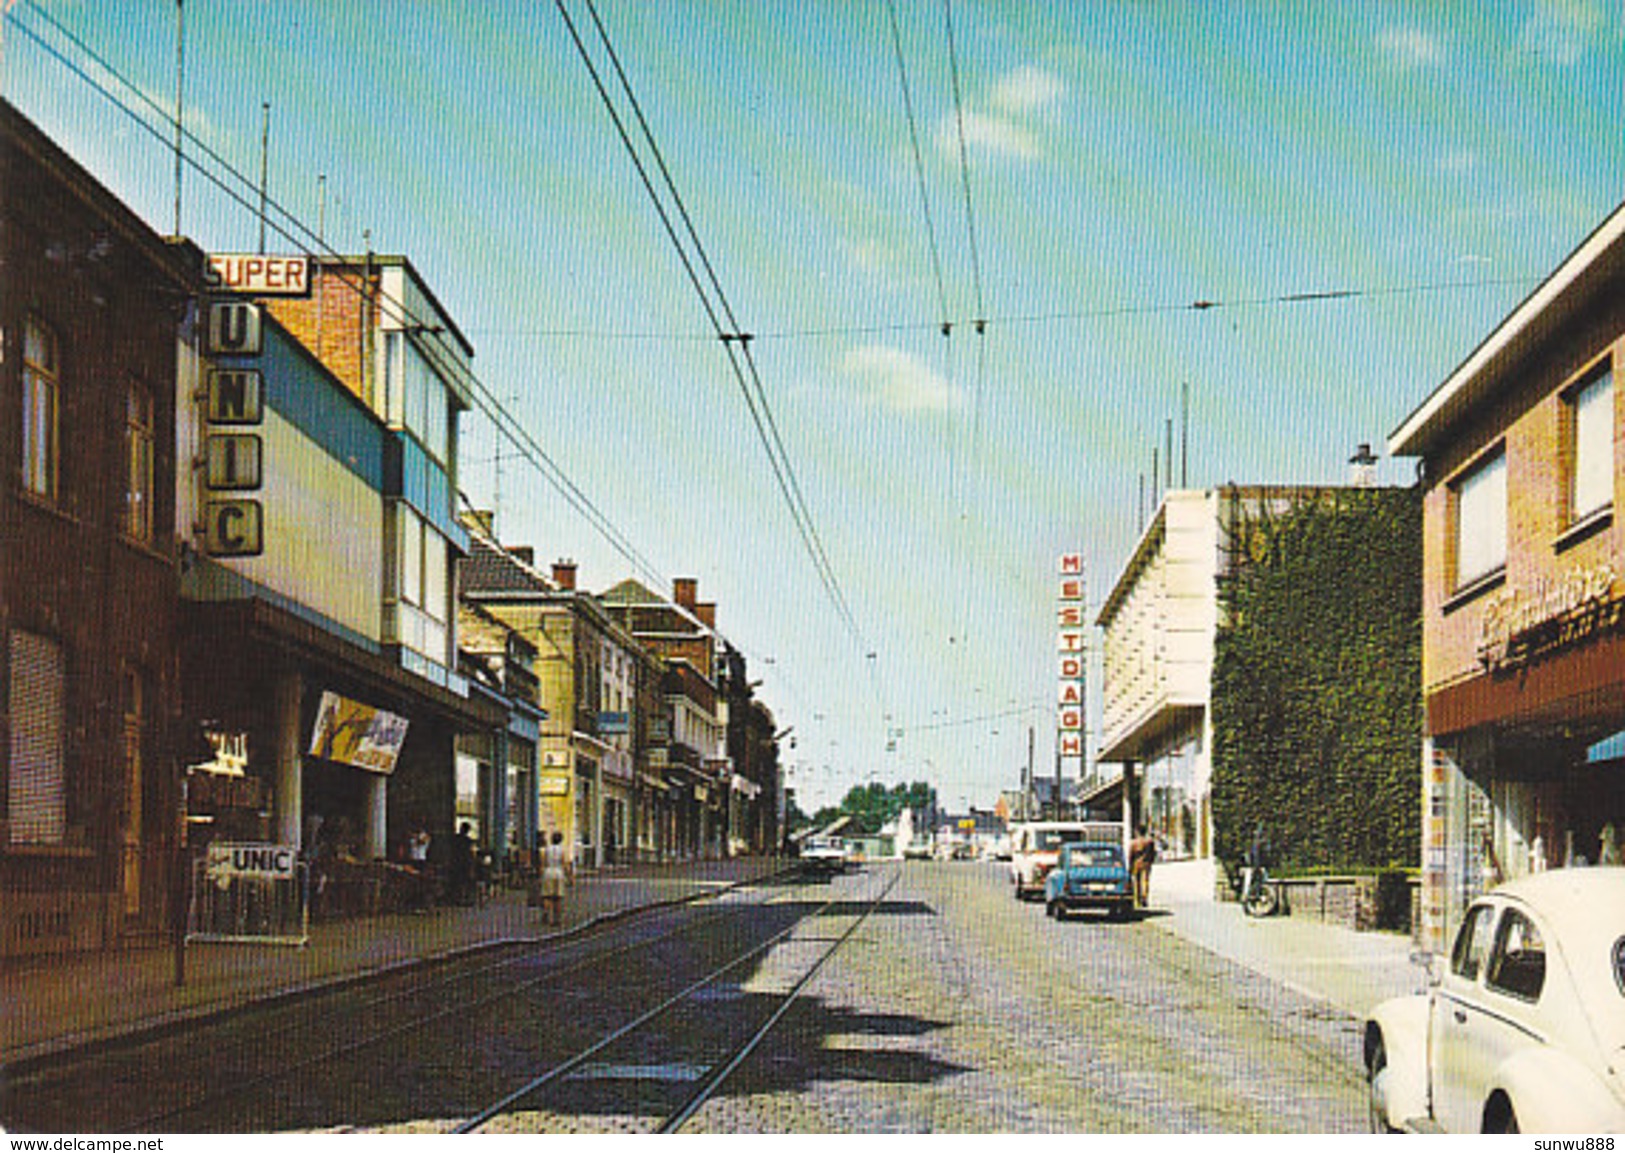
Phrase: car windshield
(1093, 856)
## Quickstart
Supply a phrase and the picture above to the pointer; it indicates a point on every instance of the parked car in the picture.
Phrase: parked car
(1089, 876)
(1524, 1029)
(1034, 848)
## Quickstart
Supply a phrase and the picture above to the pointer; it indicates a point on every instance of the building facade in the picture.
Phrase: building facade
(1523, 601)
(1158, 626)
(91, 300)
(1261, 654)
(689, 748)
(319, 640)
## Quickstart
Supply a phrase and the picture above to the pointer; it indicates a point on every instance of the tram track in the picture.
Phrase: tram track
(716, 1071)
(470, 986)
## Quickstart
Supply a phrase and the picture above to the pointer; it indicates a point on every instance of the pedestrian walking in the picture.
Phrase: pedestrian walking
(461, 866)
(557, 871)
(1142, 854)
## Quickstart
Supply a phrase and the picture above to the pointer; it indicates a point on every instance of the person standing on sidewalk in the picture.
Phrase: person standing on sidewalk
(1142, 854)
(556, 872)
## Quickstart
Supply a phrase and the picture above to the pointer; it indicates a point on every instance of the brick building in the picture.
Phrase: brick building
(90, 304)
(1523, 598)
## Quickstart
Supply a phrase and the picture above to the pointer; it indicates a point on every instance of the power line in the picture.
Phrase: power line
(735, 341)
(1105, 312)
(964, 164)
(919, 165)
(505, 423)
(979, 322)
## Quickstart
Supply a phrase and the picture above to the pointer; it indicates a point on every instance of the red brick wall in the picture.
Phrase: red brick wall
(332, 322)
(1529, 418)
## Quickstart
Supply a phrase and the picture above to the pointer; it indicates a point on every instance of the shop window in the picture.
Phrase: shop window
(1589, 415)
(1480, 501)
(41, 384)
(36, 780)
(1517, 966)
(138, 444)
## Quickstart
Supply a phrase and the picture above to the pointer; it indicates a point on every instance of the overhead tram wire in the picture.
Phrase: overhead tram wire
(312, 244)
(1119, 312)
(945, 322)
(979, 323)
(729, 336)
(736, 333)
(919, 168)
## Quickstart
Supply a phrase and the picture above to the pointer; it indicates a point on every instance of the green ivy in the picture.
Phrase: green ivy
(1317, 708)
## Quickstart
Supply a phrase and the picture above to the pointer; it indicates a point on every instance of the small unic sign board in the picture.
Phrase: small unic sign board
(248, 891)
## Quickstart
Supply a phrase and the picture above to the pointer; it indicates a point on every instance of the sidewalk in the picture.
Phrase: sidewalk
(1348, 970)
(50, 1004)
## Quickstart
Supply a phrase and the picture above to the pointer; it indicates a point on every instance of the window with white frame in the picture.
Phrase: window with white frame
(36, 779)
(1481, 520)
(422, 588)
(41, 382)
(1590, 411)
(415, 396)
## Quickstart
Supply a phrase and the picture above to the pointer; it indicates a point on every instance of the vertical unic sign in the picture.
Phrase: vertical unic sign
(233, 525)
(1070, 648)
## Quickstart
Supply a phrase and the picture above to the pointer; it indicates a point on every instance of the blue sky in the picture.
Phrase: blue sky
(1124, 161)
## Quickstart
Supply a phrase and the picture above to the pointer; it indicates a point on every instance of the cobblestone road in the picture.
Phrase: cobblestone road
(957, 1009)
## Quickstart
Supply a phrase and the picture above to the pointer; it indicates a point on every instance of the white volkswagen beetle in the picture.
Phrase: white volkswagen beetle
(1524, 1030)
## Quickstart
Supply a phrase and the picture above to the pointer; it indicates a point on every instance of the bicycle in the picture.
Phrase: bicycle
(1258, 897)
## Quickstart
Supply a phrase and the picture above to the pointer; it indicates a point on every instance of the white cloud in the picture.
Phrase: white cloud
(897, 380)
(1005, 130)
(996, 134)
(1409, 48)
(1027, 89)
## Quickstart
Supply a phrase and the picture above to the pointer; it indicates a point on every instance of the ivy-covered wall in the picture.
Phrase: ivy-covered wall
(1317, 684)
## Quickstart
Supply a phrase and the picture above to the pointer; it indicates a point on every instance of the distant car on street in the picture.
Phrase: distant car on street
(1089, 876)
(1524, 1030)
(823, 856)
(1034, 848)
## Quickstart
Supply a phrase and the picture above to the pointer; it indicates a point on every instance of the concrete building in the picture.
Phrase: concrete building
(1307, 556)
(320, 632)
(1523, 603)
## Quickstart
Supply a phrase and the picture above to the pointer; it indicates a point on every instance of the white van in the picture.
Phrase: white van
(1035, 847)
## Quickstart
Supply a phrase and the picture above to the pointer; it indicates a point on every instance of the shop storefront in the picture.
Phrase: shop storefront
(1523, 596)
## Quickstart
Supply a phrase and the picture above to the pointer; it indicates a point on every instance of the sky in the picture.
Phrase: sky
(1103, 169)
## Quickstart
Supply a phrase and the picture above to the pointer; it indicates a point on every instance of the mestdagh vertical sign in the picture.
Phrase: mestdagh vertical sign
(1069, 714)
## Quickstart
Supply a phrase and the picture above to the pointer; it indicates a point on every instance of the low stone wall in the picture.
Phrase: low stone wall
(1350, 901)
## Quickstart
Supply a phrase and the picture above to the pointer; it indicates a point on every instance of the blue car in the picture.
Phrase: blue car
(1089, 875)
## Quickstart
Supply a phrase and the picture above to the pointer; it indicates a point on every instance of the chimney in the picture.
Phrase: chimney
(707, 612)
(523, 553)
(564, 574)
(684, 590)
(1363, 468)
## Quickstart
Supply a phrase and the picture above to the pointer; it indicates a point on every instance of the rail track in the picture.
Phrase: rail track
(678, 1015)
(219, 1075)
